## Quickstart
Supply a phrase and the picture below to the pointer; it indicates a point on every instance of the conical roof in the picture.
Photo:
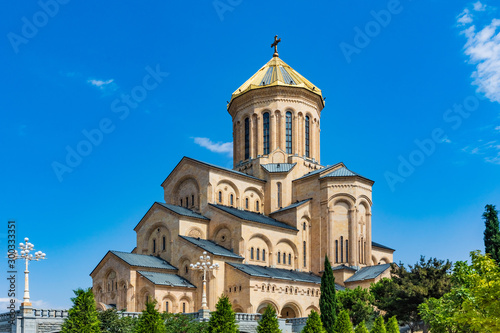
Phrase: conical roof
(276, 73)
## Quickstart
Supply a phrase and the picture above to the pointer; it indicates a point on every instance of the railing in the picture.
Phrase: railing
(129, 314)
(297, 321)
(7, 315)
(50, 313)
(248, 316)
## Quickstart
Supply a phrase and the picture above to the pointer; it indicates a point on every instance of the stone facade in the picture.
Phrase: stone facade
(277, 208)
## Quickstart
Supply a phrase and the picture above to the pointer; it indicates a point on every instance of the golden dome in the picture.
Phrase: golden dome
(276, 73)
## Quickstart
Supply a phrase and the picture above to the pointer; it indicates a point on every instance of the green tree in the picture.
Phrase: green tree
(82, 317)
(408, 288)
(361, 328)
(223, 319)
(112, 322)
(150, 321)
(492, 232)
(392, 325)
(473, 304)
(327, 300)
(269, 322)
(378, 326)
(180, 323)
(313, 324)
(343, 323)
(358, 303)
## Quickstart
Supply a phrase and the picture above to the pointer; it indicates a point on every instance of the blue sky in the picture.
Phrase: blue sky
(412, 101)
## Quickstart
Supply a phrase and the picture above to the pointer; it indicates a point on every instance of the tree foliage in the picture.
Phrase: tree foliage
(408, 288)
(361, 328)
(473, 304)
(392, 325)
(492, 232)
(378, 326)
(327, 300)
(358, 304)
(180, 323)
(150, 321)
(313, 324)
(82, 317)
(269, 322)
(223, 320)
(112, 322)
(343, 323)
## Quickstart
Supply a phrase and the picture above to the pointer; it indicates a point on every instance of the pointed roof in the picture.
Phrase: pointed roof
(165, 279)
(276, 73)
(211, 247)
(342, 172)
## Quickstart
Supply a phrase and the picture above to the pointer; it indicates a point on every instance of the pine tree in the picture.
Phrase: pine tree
(223, 319)
(150, 321)
(378, 326)
(492, 232)
(343, 323)
(327, 301)
(82, 317)
(313, 324)
(269, 322)
(361, 328)
(392, 325)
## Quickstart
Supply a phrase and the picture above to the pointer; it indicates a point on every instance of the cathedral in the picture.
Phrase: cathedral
(268, 222)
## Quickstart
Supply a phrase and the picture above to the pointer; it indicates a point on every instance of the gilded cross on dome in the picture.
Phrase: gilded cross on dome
(275, 45)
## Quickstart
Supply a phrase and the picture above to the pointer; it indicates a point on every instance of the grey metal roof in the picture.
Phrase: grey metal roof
(279, 273)
(342, 172)
(182, 211)
(296, 204)
(340, 267)
(368, 273)
(211, 247)
(278, 167)
(143, 260)
(254, 217)
(382, 246)
(165, 279)
(322, 169)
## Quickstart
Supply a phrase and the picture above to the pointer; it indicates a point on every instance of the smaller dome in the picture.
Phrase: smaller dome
(276, 73)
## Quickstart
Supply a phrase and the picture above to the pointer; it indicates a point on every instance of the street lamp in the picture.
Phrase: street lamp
(25, 254)
(206, 266)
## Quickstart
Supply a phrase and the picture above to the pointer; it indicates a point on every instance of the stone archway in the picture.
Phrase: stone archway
(290, 310)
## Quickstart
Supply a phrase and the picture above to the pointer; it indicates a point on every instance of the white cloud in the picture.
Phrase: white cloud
(489, 150)
(497, 128)
(465, 17)
(479, 7)
(39, 304)
(106, 86)
(100, 83)
(216, 147)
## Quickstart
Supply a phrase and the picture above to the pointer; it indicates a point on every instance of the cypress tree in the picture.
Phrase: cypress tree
(269, 322)
(313, 324)
(82, 317)
(378, 326)
(361, 328)
(492, 232)
(392, 325)
(223, 320)
(150, 321)
(343, 323)
(327, 300)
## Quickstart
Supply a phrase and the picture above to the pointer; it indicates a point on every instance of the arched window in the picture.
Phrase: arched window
(305, 261)
(304, 226)
(289, 258)
(341, 248)
(246, 203)
(359, 251)
(336, 251)
(220, 197)
(279, 257)
(258, 254)
(187, 202)
(164, 244)
(257, 205)
(263, 254)
(181, 202)
(231, 199)
(183, 307)
(166, 307)
(346, 250)
(247, 138)
(279, 195)
(284, 258)
(307, 137)
(154, 245)
(266, 133)
(192, 200)
(288, 132)
(251, 253)
(186, 269)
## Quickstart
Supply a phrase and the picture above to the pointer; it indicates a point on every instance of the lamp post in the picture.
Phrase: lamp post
(25, 254)
(206, 266)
